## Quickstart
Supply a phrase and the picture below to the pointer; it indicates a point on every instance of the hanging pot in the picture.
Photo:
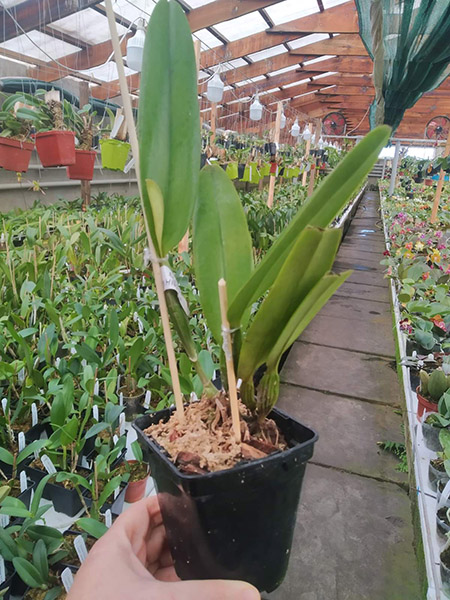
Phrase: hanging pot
(237, 523)
(15, 155)
(56, 148)
(83, 168)
(114, 154)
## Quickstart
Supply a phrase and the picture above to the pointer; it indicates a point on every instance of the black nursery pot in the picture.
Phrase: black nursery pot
(66, 501)
(241, 170)
(233, 524)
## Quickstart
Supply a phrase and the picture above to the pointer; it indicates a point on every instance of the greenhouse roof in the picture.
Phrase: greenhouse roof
(306, 53)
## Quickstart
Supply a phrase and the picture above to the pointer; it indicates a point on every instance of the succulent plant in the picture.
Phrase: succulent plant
(434, 385)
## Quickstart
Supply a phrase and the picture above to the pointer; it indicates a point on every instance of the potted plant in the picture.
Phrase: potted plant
(434, 422)
(132, 395)
(432, 387)
(16, 144)
(138, 475)
(437, 469)
(114, 149)
(37, 575)
(55, 144)
(83, 168)
(212, 497)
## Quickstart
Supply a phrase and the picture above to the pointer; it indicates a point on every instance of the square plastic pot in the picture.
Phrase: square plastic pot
(114, 154)
(56, 148)
(66, 501)
(237, 523)
(83, 168)
(15, 155)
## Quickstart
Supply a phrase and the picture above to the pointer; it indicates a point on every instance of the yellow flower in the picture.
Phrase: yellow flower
(435, 256)
(409, 254)
(419, 246)
(399, 251)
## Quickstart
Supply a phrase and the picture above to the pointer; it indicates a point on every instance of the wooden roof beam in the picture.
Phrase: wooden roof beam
(35, 14)
(224, 10)
(342, 64)
(348, 44)
(338, 19)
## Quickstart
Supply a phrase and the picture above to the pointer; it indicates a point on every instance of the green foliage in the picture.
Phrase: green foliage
(399, 450)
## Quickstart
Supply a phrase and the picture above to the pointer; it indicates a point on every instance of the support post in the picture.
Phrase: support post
(276, 139)
(312, 173)
(384, 168)
(85, 185)
(308, 148)
(394, 169)
(213, 123)
(440, 184)
(183, 246)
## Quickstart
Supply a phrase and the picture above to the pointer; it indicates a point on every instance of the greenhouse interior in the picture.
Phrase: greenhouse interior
(170, 172)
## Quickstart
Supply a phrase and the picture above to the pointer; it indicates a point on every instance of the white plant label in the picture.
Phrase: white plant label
(108, 518)
(48, 465)
(4, 521)
(122, 424)
(5, 406)
(194, 397)
(21, 441)
(148, 397)
(2, 571)
(115, 493)
(95, 412)
(96, 387)
(239, 383)
(170, 283)
(80, 548)
(34, 414)
(23, 482)
(129, 165)
(115, 439)
(121, 398)
(67, 579)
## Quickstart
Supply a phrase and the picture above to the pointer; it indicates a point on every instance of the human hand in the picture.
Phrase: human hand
(132, 561)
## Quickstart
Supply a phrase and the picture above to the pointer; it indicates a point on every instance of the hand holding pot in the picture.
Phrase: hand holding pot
(132, 560)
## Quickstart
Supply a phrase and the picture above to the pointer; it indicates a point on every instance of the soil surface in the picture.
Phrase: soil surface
(72, 558)
(37, 594)
(438, 464)
(205, 442)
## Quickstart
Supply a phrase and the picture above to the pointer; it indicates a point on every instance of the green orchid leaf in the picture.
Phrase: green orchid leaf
(169, 126)
(327, 201)
(28, 573)
(14, 508)
(222, 245)
(92, 527)
(6, 457)
(109, 489)
(40, 558)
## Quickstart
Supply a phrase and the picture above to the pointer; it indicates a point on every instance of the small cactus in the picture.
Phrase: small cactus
(424, 379)
(437, 384)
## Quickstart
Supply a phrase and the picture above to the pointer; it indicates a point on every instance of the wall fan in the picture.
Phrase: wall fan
(334, 124)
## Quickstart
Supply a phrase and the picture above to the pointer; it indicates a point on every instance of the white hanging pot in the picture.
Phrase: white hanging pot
(135, 49)
(214, 90)
(295, 129)
(256, 110)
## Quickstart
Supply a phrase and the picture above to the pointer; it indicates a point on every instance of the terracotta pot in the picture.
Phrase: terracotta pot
(15, 155)
(135, 489)
(83, 169)
(424, 404)
(56, 148)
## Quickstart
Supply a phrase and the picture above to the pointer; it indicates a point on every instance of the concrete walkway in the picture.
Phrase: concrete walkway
(354, 534)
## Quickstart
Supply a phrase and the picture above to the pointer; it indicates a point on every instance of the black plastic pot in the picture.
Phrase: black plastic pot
(8, 583)
(237, 523)
(435, 475)
(115, 507)
(241, 170)
(431, 437)
(37, 432)
(133, 405)
(66, 501)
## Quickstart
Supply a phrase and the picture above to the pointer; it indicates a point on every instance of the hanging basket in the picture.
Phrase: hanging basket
(83, 169)
(114, 154)
(15, 155)
(56, 148)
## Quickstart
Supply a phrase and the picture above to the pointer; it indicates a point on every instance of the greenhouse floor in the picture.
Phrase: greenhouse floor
(354, 535)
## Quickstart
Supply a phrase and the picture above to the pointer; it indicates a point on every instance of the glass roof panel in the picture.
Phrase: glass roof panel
(39, 45)
(233, 64)
(235, 29)
(9, 3)
(325, 75)
(106, 72)
(284, 70)
(267, 53)
(133, 9)
(207, 39)
(289, 85)
(318, 59)
(252, 80)
(330, 3)
(282, 12)
(88, 25)
(308, 39)
(197, 3)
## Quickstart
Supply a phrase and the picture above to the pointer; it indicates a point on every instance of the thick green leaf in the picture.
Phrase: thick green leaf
(88, 354)
(310, 258)
(169, 126)
(14, 508)
(38, 493)
(40, 558)
(96, 429)
(113, 327)
(92, 527)
(109, 489)
(6, 457)
(222, 244)
(157, 206)
(28, 572)
(324, 205)
(51, 536)
(54, 593)
(135, 353)
(137, 451)
(30, 449)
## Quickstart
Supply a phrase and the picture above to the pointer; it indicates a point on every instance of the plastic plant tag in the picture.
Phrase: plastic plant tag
(147, 400)
(117, 123)
(23, 482)
(96, 387)
(121, 399)
(2, 570)
(108, 518)
(95, 412)
(67, 579)
(48, 465)
(5, 405)
(116, 493)
(194, 397)
(4, 521)
(170, 283)
(115, 439)
(34, 414)
(122, 424)
(129, 165)
(238, 383)
(80, 548)
(21, 441)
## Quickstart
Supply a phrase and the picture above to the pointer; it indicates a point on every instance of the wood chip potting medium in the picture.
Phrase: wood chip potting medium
(228, 350)
(155, 263)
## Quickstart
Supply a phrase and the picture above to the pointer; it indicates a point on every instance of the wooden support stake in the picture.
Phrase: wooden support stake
(313, 171)
(276, 139)
(228, 350)
(85, 185)
(440, 184)
(308, 148)
(156, 266)
(213, 123)
(183, 246)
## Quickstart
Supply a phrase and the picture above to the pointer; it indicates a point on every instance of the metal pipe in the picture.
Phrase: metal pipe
(68, 183)
(394, 169)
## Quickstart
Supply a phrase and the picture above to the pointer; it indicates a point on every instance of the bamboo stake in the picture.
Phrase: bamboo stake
(183, 246)
(227, 348)
(276, 139)
(155, 264)
(440, 184)
(308, 147)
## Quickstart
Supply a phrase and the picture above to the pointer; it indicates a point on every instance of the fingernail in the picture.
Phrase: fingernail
(249, 593)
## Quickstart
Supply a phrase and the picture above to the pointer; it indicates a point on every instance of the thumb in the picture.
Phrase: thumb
(210, 590)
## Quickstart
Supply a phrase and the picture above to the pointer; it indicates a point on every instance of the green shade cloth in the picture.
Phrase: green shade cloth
(409, 41)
